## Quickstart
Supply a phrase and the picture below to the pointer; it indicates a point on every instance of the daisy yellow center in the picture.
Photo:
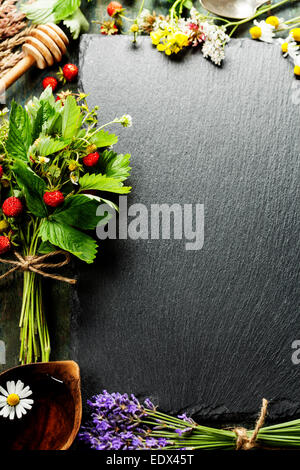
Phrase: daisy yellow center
(296, 34)
(255, 32)
(13, 399)
(273, 21)
(284, 47)
(297, 70)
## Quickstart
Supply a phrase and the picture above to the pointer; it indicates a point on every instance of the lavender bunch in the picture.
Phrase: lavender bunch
(120, 422)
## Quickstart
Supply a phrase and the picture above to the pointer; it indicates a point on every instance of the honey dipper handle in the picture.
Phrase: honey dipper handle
(16, 72)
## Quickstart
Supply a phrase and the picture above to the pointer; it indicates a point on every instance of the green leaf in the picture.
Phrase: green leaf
(71, 118)
(103, 139)
(47, 96)
(77, 23)
(47, 145)
(40, 11)
(114, 165)
(46, 247)
(43, 115)
(49, 11)
(65, 8)
(33, 186)
(20, 132)
(102, 183)
(70, 239)
(80, 211)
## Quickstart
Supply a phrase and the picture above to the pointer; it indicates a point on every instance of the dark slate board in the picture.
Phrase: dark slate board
(206, 331)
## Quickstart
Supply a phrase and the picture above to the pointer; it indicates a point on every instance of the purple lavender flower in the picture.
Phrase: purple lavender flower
(117, 424)
(180, 432)
(185, 418)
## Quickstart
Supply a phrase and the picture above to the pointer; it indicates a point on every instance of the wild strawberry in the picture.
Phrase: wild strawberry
(91, 159)
(53, 198)
(4, 244)
(1, 171)
(69, 72)
(12, 207)
(114, 8)
(50, 81)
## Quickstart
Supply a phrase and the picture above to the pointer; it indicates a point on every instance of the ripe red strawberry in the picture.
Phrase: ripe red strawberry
(50, 81)
(1, 171)
(70, 72)
(91, 159)
(53, 198)
(12, 207)
(114, 8)
(4, 244)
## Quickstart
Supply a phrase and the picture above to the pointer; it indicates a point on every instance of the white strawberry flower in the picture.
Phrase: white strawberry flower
(43, 160)
(14, 400)
(74, 177)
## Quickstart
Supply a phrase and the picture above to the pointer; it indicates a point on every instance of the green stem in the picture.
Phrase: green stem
(34, 331)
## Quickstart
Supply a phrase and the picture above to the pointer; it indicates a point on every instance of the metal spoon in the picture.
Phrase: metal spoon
(237, 9)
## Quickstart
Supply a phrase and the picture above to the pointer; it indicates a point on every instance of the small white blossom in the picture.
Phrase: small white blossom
(214, 45)
(74, 177)
(43, 160)
(142, 19)
(126, 120)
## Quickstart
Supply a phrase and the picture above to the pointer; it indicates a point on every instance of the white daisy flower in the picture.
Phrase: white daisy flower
(262, 31)
(14, 400)
(289, 47)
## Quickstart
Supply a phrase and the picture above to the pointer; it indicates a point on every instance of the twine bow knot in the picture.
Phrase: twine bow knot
(243, 441)
(38, 264)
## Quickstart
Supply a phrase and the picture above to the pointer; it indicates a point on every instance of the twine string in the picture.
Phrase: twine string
(38, 264)
(243, 441)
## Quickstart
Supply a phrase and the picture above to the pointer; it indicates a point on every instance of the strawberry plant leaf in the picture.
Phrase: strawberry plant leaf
(70, 239)
(114, 165)
(44, 115)
(20, 132)
(80, 211)
(77, 23)
(65, 8)
(46, 247)
(47, 145)
(103, 139)
(102, 183)
(33, 187)
(71, 118)
(40, 11)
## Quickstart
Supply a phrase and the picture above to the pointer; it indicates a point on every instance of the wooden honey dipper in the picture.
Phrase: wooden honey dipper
(46, 44)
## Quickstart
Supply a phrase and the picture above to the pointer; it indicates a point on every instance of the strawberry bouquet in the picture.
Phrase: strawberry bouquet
(55, 164)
